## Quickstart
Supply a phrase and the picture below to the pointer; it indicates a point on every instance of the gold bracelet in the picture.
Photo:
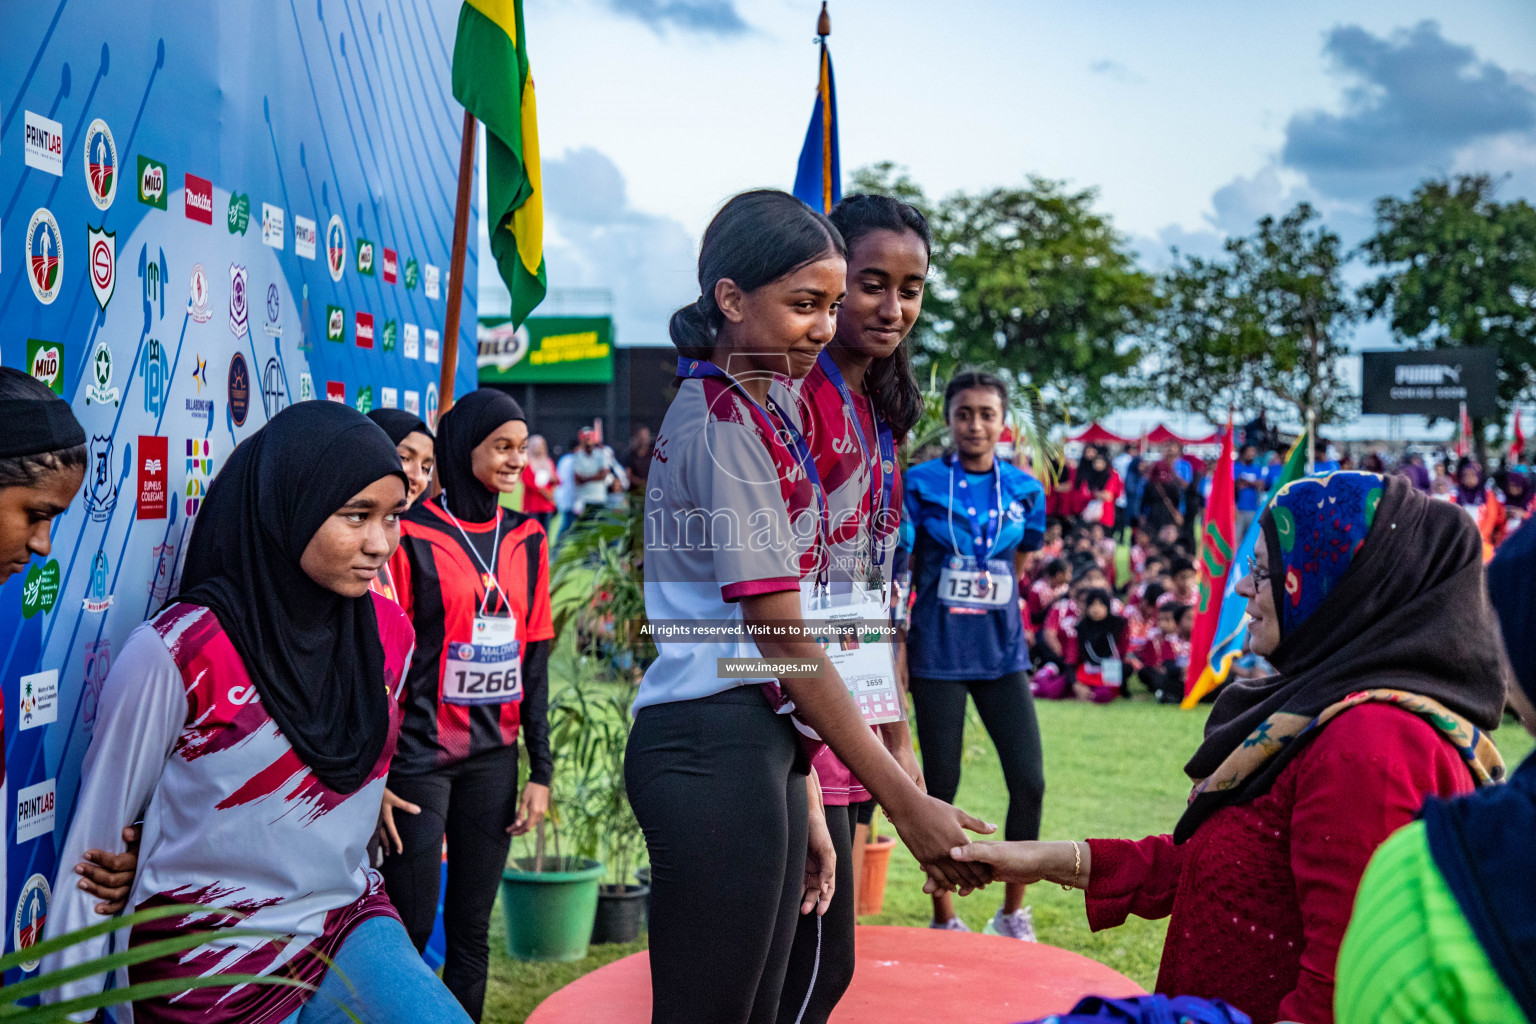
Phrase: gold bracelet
(1077, 866)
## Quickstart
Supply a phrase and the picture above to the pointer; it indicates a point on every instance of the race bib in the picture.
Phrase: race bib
(858, 643)
(965, 585)
(487, 668)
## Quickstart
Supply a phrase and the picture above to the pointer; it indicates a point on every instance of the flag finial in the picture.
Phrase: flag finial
(824, 22)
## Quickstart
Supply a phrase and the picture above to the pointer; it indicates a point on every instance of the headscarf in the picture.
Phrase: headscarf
(1482, 843)
(1469, 496)
(472, 419)
(1404, 611)
(1517, 488)
(34, 426)
(399, 424)
(313, 655)
(1096, 479)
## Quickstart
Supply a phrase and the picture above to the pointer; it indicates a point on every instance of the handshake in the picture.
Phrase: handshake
(934, 832)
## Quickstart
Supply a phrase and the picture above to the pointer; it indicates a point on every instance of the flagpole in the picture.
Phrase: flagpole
(456, 266)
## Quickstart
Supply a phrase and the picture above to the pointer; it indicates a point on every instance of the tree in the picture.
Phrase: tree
(1259, 328)
(1031, 280)
(1460, 271)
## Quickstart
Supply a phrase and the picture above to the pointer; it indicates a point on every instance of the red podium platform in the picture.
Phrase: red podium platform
(904, 974)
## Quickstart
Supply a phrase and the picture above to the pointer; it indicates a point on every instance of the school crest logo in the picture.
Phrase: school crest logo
(102, 246)
(100, 389)
(274, 325)
(197, 307)
(31, 910)
(239, 312)
(45, 256)
(97, 598)
(163, 583)
(239, 390)
(431, 416)
(336, 247)
(100, 164)
(101, 482)
(274, 391)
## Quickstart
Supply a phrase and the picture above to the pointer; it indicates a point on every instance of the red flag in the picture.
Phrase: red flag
(1217, 544)
(1464, 434)
(1517, 449)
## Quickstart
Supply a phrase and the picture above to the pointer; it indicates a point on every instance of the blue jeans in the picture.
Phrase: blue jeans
(386, 982)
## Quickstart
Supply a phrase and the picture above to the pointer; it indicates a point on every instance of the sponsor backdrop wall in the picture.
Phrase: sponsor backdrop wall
(207, 212)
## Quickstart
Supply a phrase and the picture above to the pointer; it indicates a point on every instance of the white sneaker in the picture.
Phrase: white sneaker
(1018, 925)
(954, 924)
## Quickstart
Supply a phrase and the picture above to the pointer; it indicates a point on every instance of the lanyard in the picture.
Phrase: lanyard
(883, 484)
(490, 574)
(985, 530)
(779, 427)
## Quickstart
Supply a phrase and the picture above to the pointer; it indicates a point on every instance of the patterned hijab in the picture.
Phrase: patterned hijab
(1381, 598)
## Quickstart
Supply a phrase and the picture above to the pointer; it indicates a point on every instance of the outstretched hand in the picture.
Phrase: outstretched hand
(1025, 863)
(931, 829)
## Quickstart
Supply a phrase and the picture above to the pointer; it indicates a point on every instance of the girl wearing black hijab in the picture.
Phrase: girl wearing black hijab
(42, 465)
(414, 444)
(250, 725)
(474, 578)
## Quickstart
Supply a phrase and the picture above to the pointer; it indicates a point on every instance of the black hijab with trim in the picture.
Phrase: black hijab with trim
(471, 420)
(399, 424)
(313, 655)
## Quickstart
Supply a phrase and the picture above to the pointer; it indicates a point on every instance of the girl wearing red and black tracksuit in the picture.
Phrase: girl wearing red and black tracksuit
(474, 578)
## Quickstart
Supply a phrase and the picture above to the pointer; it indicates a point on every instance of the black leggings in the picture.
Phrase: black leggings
(718, 785)
(473, 802)
(821, 960)
(1007, 710)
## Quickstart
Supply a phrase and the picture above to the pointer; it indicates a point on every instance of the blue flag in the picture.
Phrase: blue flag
(819, 179)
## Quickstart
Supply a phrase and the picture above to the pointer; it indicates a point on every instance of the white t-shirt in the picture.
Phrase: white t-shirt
(587, 464)
(565, 490)
(728, 514)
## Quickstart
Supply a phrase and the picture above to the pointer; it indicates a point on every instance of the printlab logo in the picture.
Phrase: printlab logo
(101, 488)
(102, 247)
(45, 362)
(98, 662)
(306, 387)
(239, 390)
(152, 174)
(45, 144)
(239, 312)
(365, 257)
(100, 164)
(97, 597)
(163, 583)
(412, 274)
(156, 371)
(31, 905)
(198, 310)
(389, 398)
(100, 390)
(274, 325)
(45, 256)
(272, 225)
(412, 342)
(154, 477)
(303, 237)
(40, 590)
(391, 266)
(391, 332)
(198, 198)
(239, 216)
(274, 391)
(199, 469)
(363, 330)
(413, 402)
(434, 345)
(335, 323)
(336, 247)
(40, 699)
(365, 398)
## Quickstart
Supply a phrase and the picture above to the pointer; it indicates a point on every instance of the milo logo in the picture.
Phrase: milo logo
(335, 323)
(45, 362)
(152, 182)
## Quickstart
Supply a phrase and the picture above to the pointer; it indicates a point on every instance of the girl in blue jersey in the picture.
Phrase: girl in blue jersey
(970, 520)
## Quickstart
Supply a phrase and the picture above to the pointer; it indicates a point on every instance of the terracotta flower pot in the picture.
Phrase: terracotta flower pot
(877, 859)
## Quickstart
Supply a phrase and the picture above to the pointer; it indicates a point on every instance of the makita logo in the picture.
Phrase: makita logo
(1428, 374)
(199, 193)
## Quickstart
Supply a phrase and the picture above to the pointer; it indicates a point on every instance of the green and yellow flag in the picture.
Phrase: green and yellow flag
(492, 80)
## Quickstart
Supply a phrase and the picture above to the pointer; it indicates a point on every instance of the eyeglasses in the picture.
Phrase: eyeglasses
(1259, 575)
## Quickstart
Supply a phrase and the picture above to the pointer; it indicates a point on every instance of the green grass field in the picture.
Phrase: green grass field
(1111, 770)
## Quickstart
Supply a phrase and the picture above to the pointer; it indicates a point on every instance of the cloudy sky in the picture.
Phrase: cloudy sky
(1191, 118)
